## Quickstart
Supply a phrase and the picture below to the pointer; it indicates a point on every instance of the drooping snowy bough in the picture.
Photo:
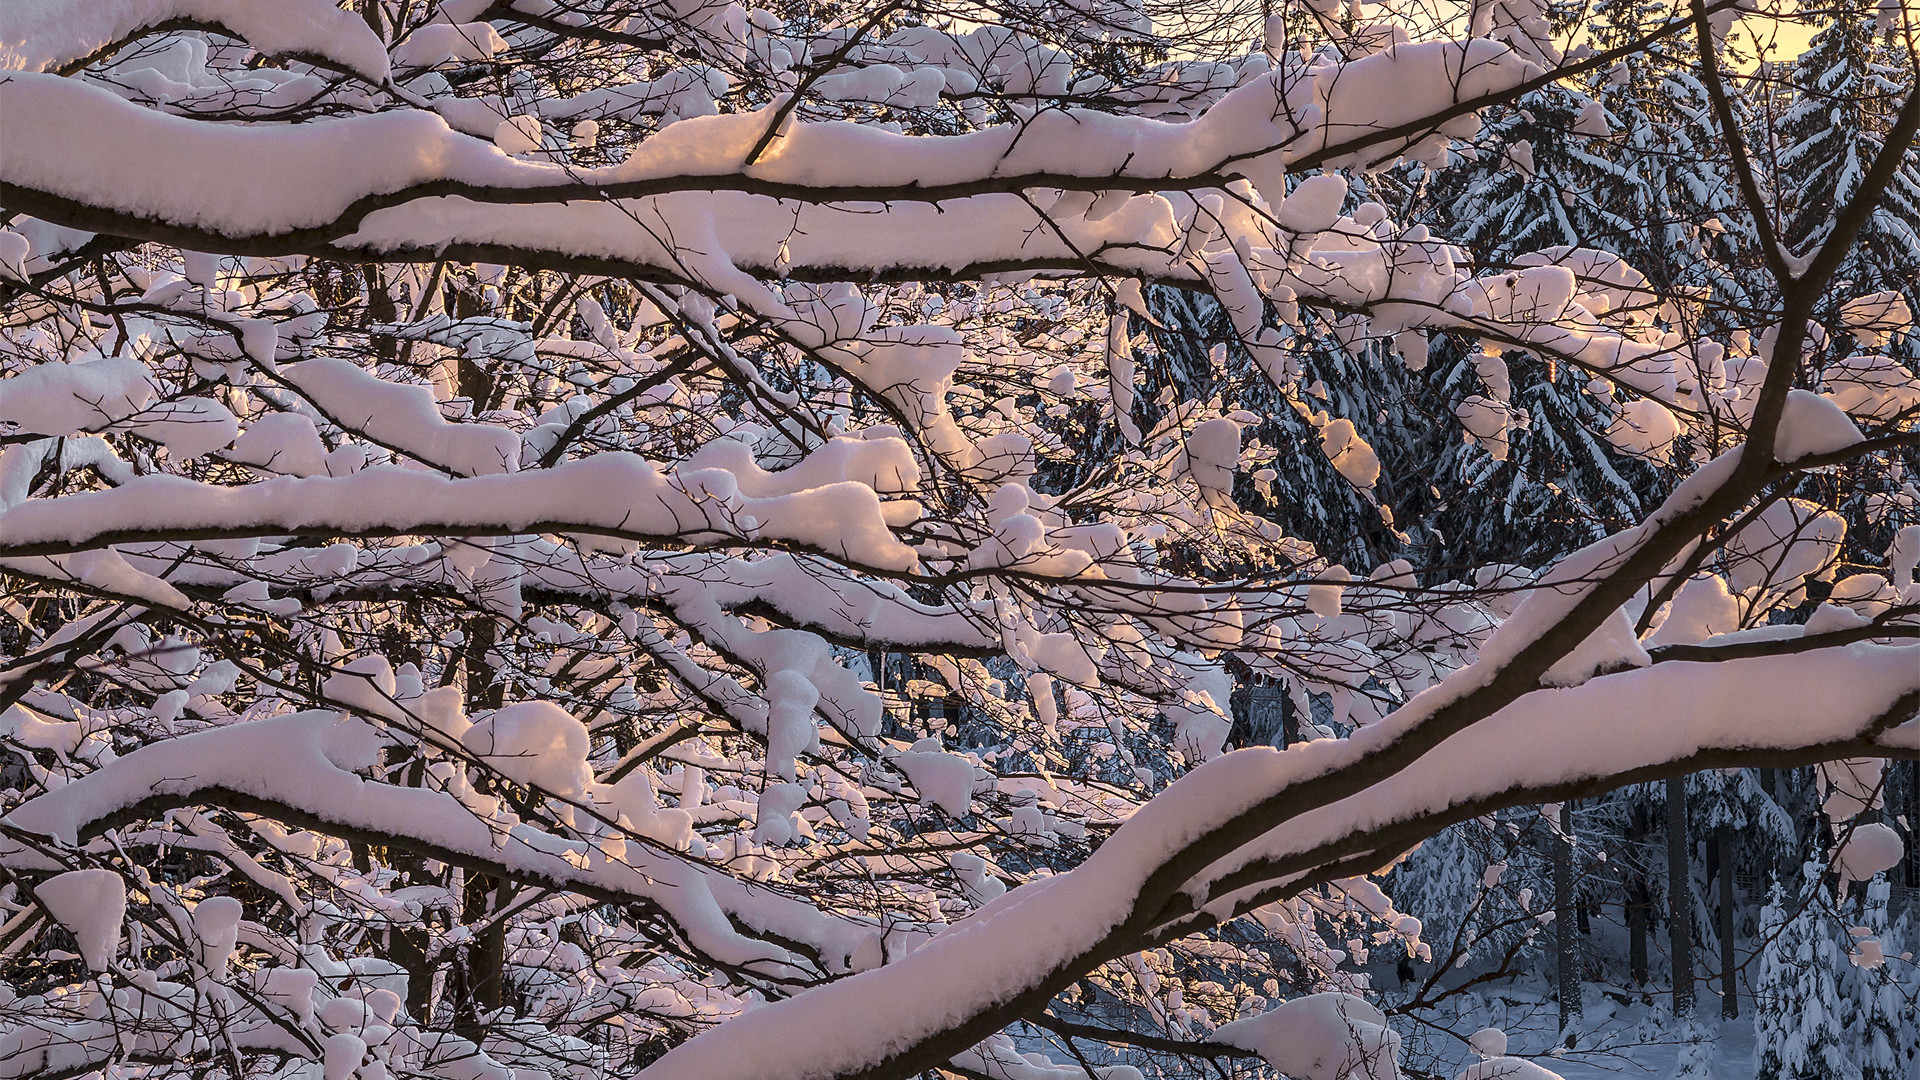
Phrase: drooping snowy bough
(603, 539)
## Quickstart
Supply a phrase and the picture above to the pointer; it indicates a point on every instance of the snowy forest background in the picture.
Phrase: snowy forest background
(357, 724)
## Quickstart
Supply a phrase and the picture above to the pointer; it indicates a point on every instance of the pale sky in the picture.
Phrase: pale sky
(1769, 37)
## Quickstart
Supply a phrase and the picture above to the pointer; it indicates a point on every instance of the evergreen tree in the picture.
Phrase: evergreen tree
(1882, 1019)
(1560, 486)
(1467, 882)
(1541, 176)
(1848, 84)
(1759, 831)
(1526, 182)
(1800, 1019)
(1663, 199)
(1389, 406)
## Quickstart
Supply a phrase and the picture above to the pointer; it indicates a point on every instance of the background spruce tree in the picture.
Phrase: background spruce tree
(1800, 1017)
(1882, 1016)
(1846, 87)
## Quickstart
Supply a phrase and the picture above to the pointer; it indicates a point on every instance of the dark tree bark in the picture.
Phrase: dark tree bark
(473, 382)
(1908, 873)
(1679, 917)
(1639, 899)
(1566, 952)
(1289, 723)
(1729, 995)
(380, 309)
(477, 983)
(484, 965)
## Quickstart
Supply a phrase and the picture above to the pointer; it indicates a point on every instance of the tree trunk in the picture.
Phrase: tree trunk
(1565, 951)
(1729, 995)
(1907, 872)
(1639, 902)
(408, 947)
(1289, 723)
(472, 381)
(1679, 898)
(484, 966)
(480, 972)
(380, 309)
(489, 951)
(482, 691)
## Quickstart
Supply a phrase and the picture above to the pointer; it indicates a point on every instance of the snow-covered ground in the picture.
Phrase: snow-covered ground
(1616, 1042)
